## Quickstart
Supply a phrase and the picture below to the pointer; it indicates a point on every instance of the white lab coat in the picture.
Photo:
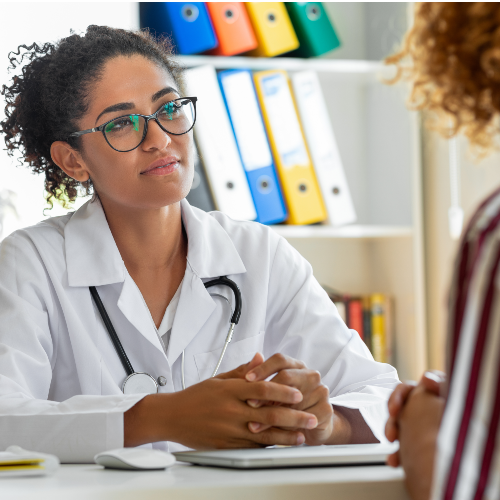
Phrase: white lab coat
(60, 376)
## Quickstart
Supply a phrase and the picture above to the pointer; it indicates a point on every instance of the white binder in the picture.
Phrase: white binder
(323, 148)
(217, 145)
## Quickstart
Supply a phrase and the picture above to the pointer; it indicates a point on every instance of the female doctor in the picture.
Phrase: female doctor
(102, 111)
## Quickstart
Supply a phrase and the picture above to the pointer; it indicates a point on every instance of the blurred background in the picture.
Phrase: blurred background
(399, 250)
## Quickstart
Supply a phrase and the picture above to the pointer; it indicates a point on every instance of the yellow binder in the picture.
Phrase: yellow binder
(272, 27)
(378, 327)
(294, 165)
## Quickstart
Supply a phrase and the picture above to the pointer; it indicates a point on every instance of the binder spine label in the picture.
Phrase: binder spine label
(247, 121)
(284, 122)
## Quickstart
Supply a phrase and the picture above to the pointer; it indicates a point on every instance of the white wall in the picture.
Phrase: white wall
(478, 179)
(25, 23)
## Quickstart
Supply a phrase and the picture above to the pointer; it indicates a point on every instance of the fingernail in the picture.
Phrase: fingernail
(251, 376)
(297, 397)
(300, 439)
(254, 426)
(254, 403)
(311, 423)
(435, 376)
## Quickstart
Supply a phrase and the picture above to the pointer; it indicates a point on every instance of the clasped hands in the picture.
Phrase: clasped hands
(241, 409)
(303, 411)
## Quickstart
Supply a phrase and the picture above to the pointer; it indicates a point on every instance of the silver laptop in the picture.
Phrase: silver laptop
(294, 456)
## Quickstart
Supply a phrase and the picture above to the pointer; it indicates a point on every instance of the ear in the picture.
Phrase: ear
(69, 160)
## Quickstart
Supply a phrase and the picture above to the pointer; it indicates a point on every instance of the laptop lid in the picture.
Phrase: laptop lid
(293, 456)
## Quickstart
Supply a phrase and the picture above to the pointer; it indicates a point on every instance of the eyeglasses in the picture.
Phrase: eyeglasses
(127, 132)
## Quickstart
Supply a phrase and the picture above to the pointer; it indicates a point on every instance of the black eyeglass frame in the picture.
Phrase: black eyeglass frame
(154, 116)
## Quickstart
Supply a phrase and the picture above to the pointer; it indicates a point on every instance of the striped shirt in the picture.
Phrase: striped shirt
(468, 456)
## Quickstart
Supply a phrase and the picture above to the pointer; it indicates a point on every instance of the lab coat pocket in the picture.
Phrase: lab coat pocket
(237, 353)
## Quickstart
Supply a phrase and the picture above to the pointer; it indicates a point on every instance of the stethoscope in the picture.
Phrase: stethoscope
(143, 383)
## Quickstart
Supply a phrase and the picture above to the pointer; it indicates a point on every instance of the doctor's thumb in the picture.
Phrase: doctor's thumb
(242, 370)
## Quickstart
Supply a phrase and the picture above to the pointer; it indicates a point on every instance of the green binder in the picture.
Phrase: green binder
(314, 30)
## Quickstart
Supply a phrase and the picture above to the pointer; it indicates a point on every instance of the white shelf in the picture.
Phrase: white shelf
(354, 231)
(286, 63)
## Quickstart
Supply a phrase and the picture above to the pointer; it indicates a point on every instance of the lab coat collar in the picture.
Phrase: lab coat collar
(211, 252)
(93, 259)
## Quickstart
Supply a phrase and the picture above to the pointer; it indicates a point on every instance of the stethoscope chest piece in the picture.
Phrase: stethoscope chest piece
(140, 383)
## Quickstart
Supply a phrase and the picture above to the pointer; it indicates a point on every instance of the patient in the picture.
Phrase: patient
(449, 432)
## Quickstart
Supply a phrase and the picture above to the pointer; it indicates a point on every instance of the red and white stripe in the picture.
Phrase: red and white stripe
(468, 459)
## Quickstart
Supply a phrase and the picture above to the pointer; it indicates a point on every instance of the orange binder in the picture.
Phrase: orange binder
(273, 28)
(233, 28)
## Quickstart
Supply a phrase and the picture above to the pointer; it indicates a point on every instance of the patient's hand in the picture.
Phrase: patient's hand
(419, 424)
(432, 381)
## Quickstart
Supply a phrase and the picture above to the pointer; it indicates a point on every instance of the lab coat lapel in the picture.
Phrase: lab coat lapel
(211, 253)
(132, 305)
(194, 308)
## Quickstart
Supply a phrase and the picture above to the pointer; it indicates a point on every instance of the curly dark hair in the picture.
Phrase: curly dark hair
(52, 90)
(451, 57)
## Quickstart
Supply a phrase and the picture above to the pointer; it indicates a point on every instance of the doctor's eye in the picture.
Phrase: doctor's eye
(171, 111)
(122, 124)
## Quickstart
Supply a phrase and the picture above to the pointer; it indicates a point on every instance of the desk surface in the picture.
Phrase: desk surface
(186, 482)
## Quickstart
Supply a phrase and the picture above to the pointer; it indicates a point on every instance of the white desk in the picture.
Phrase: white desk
(185, 482)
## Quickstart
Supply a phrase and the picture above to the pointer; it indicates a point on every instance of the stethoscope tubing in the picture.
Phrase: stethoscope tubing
(127, 365)
(112, 332)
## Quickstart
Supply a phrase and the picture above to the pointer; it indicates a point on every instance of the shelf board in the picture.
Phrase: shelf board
(287, 63)
(353, 231)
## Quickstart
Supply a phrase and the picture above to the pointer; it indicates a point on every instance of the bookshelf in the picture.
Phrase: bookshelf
(360, 67)
(350, 231)
(379, 142)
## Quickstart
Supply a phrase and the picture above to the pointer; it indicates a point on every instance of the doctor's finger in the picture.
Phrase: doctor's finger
(278, 416)
(269, 391)
(242, 370)
(274, 364)
(274, 436)
(303, 379)
(318, 403)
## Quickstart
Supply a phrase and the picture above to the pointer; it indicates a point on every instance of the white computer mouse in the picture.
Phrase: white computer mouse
(135, 459)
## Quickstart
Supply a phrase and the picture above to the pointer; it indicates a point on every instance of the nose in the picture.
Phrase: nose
(156, 137)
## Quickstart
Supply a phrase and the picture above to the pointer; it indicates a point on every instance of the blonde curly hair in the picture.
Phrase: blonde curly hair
(451, 57)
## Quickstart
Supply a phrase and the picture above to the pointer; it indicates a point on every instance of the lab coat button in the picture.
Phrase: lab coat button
(162, 380)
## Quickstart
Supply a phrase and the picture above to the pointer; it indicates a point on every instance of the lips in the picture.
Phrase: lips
(167, 161)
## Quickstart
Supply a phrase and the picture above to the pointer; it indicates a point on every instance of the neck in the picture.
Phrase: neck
(148, 239)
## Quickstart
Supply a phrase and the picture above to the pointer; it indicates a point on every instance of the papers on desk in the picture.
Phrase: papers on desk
(18, 462)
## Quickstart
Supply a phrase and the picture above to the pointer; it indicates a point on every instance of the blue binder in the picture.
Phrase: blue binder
(188, 24)
(248, 127)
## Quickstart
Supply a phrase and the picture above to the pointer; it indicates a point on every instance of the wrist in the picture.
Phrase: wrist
(341, 427)
(349, 427)
(148, 420)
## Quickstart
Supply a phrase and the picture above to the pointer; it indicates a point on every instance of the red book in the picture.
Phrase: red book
(356, 316)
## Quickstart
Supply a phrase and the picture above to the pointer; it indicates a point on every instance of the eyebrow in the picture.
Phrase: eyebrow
(125, 106)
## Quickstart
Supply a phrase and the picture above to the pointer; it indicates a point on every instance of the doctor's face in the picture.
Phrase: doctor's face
(160, 171)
